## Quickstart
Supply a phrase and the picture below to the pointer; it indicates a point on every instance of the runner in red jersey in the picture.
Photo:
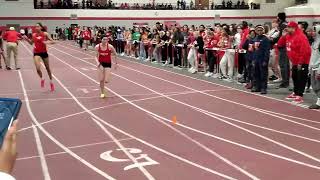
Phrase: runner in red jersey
(104, 62)
(86, 35)
(40, 39)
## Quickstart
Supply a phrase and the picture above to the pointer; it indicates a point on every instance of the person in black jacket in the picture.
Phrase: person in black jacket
(261, 57)
(178, 41)
(283, 58)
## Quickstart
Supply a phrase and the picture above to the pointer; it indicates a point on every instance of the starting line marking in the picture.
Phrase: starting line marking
(74, 147)
(107, 156)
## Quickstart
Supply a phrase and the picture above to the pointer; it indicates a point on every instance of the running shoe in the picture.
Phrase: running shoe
(42, 83)
(291, 96)
(103, 95)
(298, 100)
(51, 87)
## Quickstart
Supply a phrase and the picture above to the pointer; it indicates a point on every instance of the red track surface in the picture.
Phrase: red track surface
(222, 133)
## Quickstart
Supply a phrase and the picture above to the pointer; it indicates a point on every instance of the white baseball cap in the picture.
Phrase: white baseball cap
(11, 28)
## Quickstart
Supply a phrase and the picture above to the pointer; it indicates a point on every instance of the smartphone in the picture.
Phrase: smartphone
(9, 111)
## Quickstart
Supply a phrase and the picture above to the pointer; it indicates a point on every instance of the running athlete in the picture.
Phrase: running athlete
(104, 62)
(40, 39)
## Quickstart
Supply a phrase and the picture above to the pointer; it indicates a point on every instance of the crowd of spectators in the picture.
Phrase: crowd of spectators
(109, 4)
(255, 55)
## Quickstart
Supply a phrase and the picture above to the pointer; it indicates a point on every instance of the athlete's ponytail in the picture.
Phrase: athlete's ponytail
(43, 29)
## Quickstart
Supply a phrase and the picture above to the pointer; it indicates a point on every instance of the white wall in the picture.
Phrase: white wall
(308, 12)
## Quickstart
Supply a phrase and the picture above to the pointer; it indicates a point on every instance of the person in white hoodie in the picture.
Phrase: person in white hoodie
(314, 67)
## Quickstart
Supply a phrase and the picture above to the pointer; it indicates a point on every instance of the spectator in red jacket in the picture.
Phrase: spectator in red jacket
(299, 53)
(211, 43)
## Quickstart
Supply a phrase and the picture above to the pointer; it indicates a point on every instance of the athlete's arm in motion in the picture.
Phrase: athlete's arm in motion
(30, 41)
(49, 39)
(115, 56)
(97, 55)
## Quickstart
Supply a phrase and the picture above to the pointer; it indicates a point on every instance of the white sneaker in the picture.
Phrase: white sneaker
(194, 71)
(277, 80)
(208, 74)
(228, 79)
(190, 69)
(122, 54)
(239, 76)
(137, 58)
(166, 63)
(216, 75)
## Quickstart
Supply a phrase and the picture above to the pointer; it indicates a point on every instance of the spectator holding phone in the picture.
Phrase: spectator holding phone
(8, 153)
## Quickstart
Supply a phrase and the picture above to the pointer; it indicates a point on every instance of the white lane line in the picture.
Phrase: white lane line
(197, 109)
(103, 107)
(74, 147)
(34, 119)
(43, 161)
(250, 107)
(161, 150)
(227, 161)
(271, 113)
(210, 114)
(130, 156)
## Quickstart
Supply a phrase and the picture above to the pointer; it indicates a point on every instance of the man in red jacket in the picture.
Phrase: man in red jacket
(299, 53)
(12, 37)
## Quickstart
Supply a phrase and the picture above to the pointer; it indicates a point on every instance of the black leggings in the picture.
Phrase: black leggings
(178, 56)
(211, 61)
(299, 78)
(241, 63)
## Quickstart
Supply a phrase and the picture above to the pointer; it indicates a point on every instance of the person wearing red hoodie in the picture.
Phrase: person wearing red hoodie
(211, 43)
(242, 74)
(299, 53)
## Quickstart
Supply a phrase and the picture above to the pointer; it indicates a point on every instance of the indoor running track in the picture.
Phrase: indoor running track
(155, 124)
